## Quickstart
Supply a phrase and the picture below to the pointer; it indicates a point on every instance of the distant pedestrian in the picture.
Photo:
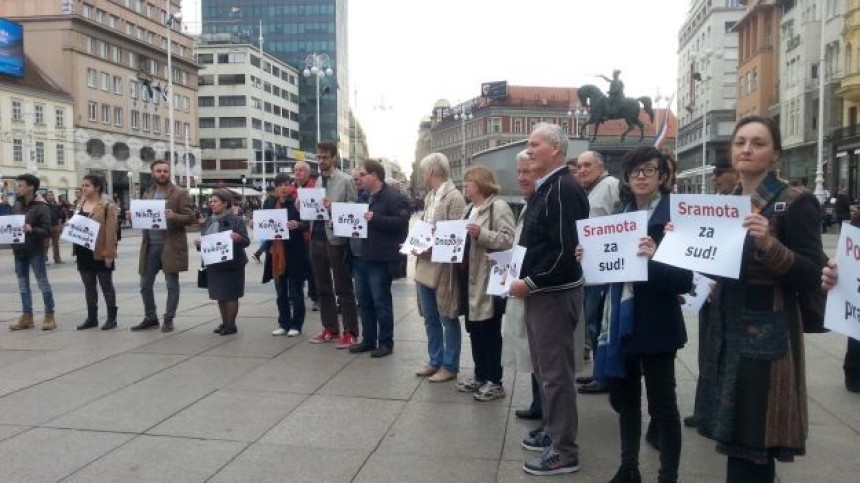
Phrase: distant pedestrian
(5, 207)
(56, 224)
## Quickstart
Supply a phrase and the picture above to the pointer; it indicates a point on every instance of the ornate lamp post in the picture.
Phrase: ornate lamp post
(318, 65)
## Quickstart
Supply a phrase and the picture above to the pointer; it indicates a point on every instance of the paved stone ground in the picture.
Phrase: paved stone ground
(194, 406)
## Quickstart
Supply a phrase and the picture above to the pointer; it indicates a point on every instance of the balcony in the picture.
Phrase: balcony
(850, 88)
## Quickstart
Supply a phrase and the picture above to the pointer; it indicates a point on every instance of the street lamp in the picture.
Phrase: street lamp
(463, 114)
(244, 180)
(172, 19)
(704, 58)
(130, 185)
(318, 65)
(578, 115)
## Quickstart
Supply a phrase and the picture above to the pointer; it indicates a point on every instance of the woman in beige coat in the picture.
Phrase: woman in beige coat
(438, 291)
(490, 229)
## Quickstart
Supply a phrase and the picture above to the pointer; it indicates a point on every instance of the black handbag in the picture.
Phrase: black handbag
(202, 277)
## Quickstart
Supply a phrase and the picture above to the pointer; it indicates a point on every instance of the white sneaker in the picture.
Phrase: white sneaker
(279, 332)
(293, 333)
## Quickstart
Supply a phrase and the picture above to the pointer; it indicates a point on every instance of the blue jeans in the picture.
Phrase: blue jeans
(373, 290)
(22, 270)
(443, 333)
(290, 291)
(593, 313)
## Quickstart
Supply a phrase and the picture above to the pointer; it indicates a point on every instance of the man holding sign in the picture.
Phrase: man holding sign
(164, 250)
(33, 252)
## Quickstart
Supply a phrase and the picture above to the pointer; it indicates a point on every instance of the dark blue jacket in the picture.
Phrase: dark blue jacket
(298, 261)
(658, 325)
(388, 228)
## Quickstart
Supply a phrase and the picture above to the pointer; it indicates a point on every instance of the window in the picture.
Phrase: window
(129, 28)
(18, 150)
(156, 124)
(103, 50)
(256, 123)
(132, 60)
(61, 154)
(205, 59)
(228, 101)
(496, 125)
(206, 122)
(256, 103)
(518, 125)
(92, 78)
(133, 88)
(207, 143)
(91, 45)
(231, 58)
(105, 114)
(231, 79)
(105, 81)
(267, 107)
(233, 143)
(147, 118)
(40, 152)
(100, 16)
(206, 80)
(135, 120)
(276, 72)
(117, 85)
(167, 126)
(60, 118)
(87, 11)
(206, 101)
(92, 111)
(255, 61)
(39, 111)
(234, 164)
(267, 87)
(113, 22)
(232, 122)
(117, 116)
(116, 54)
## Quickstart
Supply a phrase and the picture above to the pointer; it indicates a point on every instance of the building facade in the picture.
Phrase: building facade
(292, 30)
(707, 88)
(248, 112)
(37, 134)
(111, 56)
(758, 59)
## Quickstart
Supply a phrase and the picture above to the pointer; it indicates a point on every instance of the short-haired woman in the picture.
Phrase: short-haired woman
(226, 279)
(97, 265)
(490, 229)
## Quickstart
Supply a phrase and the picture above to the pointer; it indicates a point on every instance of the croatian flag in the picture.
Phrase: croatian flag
(664, 128)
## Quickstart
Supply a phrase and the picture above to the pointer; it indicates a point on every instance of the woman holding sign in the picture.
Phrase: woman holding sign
(752, 387)
(226, 280)
(490, 229)
(643, 328)
(96, 265)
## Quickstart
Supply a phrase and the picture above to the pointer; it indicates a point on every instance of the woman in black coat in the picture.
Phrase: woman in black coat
(226, 280)
(643, 328)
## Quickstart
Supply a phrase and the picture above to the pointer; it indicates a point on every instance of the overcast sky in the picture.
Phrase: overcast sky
(405, 55)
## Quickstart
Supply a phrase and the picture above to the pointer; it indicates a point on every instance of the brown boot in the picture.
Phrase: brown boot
(25, 322)
(49, 323)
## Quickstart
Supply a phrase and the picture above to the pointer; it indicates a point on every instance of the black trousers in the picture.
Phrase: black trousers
(486, 337)
(625, 395)
(740, 470)
(852, 363)
(105, 279)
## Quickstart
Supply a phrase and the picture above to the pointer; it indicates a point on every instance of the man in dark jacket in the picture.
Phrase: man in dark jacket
(56, 224)
(32, 253)
(376, 258)
(5, 207)
(551, 284)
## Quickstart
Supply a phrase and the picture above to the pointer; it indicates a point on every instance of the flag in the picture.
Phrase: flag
(660, 138)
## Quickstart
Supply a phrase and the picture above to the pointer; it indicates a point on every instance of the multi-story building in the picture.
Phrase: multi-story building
(489, 123)
(111, 56)
(845, 153)
(758, 59)
(806, 27)
(293, 30)
(422, 149)
(248, 111)
(358, 151)
(707, 87)
(37, 136)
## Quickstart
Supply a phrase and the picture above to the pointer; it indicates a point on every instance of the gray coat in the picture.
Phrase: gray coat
(340, 189)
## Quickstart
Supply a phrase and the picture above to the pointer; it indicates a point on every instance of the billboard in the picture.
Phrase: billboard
(494, 90)
(11, 49)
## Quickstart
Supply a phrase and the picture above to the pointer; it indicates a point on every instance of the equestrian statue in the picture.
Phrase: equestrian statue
(602, 108)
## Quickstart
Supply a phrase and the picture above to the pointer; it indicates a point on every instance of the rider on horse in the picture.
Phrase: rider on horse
(616, 91)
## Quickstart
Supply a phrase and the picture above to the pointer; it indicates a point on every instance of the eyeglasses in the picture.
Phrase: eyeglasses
(362, 175)
(648, 172)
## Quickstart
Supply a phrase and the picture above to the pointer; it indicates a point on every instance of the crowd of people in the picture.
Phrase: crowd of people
(751, 392)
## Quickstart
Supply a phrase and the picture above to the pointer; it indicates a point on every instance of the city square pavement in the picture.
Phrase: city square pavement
(194, 406)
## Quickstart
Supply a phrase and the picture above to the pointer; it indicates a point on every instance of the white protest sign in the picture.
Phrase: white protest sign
(348, 219)
(610, 245)
(842, 312)
(82, 231)
(216, 248)
(518, 254)
(12, 229)
(497, 284)
(311, 204)
(696, 298)
(708, 235)
(420, 238)
(449, 241)
(148, 214)
(271, 225)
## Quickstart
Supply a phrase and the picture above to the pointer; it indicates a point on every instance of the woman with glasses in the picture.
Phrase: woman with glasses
(643, 328)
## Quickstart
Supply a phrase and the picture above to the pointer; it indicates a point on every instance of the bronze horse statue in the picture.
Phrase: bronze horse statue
(599, 107)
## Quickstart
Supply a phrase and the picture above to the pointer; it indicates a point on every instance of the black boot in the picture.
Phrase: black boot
(110, 323)
(627, 474)
(218, 329)
(92, 319)
(229, 328)
(146, 324)
(167, 326)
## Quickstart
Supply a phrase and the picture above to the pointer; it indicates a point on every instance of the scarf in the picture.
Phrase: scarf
(618, 319)
(215, 225)
(769, 188)
(279, 254)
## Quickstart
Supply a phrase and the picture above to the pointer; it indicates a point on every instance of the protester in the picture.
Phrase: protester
(842, 206)
(376, 258)
(328, 256)
(725, 177)
(642, 328)
(551, 285)
(164, 250)
(96, 266)
(32, 253)
(56, 225)
(573, 166)
(490, 229)
(287, 262)
(302, 172)
(264, 245)
(851, 366)
(226, 280)
(436, 283)
(752, 390)
(603, 199)
(362, 195)
(5, 207)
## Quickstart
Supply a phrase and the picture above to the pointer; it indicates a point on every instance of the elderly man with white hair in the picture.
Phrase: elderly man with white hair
(551, 286)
